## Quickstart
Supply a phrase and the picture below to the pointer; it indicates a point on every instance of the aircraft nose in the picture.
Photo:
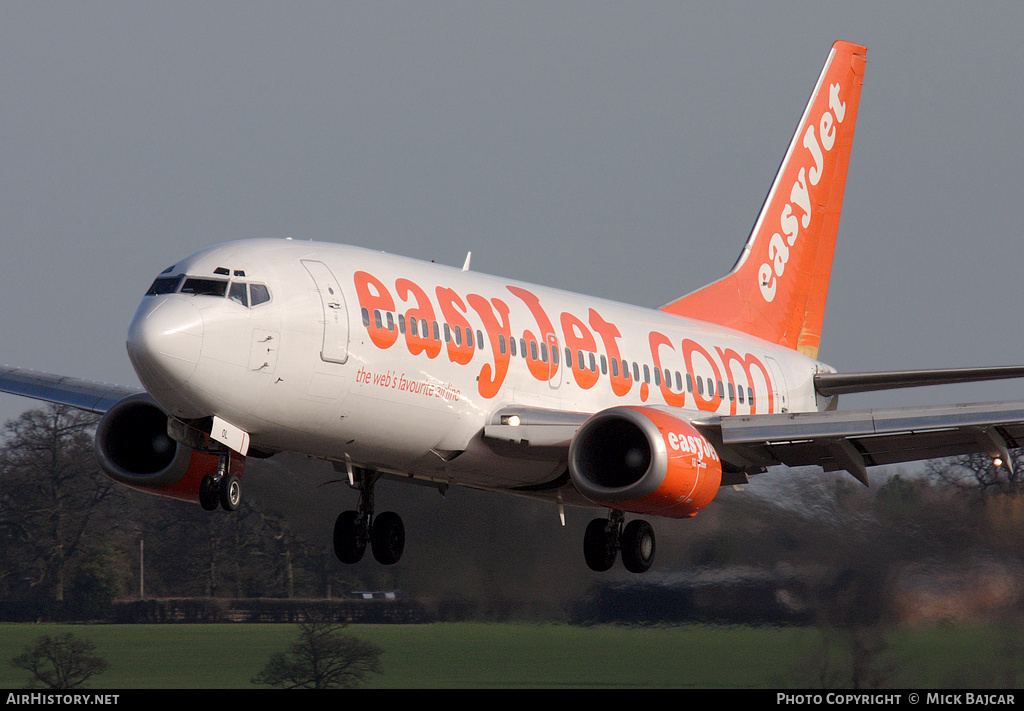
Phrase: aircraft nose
(164, 342)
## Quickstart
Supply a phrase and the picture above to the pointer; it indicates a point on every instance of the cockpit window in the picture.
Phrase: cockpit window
(237, 293)
(260, 294)
(165, 285)
(204, 287)
(247, 295)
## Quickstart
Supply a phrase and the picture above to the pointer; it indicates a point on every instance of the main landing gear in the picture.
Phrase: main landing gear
(605, 537)
(222, 488)
(354, 529)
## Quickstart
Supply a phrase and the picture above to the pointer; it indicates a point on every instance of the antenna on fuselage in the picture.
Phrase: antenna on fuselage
(465, 267)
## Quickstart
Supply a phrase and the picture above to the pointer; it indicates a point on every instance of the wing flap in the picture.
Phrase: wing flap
(856, 439)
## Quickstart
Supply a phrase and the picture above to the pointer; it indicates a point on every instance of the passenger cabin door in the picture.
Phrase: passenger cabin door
(779, 387)
(335, 314)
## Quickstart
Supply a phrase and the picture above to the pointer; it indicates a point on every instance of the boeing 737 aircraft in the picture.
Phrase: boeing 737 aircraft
(390, 367)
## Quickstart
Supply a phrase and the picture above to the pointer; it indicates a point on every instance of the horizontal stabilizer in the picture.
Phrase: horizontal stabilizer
(829, 384)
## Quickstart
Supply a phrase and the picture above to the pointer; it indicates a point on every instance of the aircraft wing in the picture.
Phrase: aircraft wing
(82, 394)
(853, 440)
(850, 440)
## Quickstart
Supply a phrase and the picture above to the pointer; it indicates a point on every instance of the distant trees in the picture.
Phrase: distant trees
(979, 473)
(69, 535)
(53, 500)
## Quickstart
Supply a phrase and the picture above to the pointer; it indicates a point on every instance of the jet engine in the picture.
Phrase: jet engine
(645, 461)
(134, 448)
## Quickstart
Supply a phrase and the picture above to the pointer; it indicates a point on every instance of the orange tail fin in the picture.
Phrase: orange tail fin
(777, 289)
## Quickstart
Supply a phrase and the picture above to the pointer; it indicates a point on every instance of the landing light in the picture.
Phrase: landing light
(511, 420)
(997, 461)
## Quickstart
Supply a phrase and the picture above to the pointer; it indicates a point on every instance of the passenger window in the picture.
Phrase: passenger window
(377, 320)
(689, 383)
(732, 394)
(366, 314)
(700, 386)
(238, 294)
(391, 322)
(593, 363)
(414, 328)
(501, 343)
(615, 368)
(437, 332)
(401, 323)
(512, 346)
(604, 366)
(647, 374)
(657, 377)
(479, 340)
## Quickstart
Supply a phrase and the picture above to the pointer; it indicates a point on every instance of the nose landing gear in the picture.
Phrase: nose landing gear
(222, 488)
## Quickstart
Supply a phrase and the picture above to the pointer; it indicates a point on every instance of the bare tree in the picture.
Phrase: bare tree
(53, 491)
(322, 658)
(979, 472)
(61, 662)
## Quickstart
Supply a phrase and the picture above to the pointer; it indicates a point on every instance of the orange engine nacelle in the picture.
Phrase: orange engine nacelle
(645, 461)
(134, 448)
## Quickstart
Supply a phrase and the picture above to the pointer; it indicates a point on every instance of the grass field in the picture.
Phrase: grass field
(470, 655)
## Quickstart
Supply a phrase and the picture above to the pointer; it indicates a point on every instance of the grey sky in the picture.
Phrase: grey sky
(617, 149)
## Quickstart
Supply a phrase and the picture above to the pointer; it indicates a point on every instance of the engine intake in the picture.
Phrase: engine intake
(135, 449)
(645, 461)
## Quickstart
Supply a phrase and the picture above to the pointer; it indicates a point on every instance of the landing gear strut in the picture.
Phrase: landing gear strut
(354, 529)
(223, 488)
(605, 537)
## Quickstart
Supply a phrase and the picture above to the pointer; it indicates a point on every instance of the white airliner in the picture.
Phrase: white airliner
(392, 367)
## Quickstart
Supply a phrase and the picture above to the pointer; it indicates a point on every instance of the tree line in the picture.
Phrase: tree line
(72, 540)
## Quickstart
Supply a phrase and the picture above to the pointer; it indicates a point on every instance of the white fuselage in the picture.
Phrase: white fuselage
(332, 365)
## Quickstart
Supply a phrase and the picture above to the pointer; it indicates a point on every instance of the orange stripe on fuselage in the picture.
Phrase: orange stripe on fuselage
(410, 302)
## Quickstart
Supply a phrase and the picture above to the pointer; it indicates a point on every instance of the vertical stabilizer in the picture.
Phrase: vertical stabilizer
(777, 289)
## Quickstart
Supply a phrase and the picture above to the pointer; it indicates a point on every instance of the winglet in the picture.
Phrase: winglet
(778, 287)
